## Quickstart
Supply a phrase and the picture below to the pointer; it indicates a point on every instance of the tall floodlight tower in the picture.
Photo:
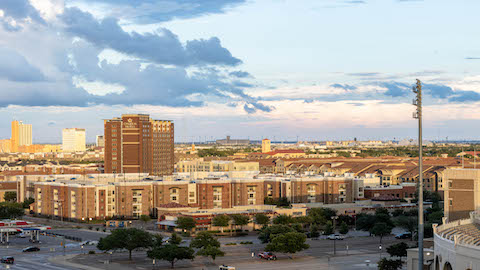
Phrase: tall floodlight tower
(417, 89)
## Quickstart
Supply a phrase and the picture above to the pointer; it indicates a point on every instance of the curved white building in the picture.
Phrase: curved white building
(457, 244)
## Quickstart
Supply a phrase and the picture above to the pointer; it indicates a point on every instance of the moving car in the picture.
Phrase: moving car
(405, 235)
(336, 237)
(267, 256)
(31, 249)
(7, 259)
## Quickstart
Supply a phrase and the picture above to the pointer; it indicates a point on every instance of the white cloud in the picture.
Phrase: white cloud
(48, 9)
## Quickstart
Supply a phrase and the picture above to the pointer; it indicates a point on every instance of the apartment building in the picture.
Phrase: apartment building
(99, 141)
(201, 165)
(21, 135)
(73, 140)
(135, 143)
(266, 146)
(84, 198)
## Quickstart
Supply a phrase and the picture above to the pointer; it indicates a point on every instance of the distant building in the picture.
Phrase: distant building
(73, 140)
(266, 146)
(461, 193)
(100, 141)
(286, 153)
(21, 135)
(5, 146)
(229, 141)
(135, 143)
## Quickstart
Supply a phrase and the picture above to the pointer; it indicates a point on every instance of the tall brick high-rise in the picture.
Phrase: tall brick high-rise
(135, 143)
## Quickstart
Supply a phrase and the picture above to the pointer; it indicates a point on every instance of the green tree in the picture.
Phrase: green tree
(297, 227)
(262, 219)
(10, 196)
(129, 239)
(175, 239)
(171, 253)
(221, 221)
(343, 228)
(320, 216)
(386, 264)
(145, 219)
(211, 252)
(435, 217)
(204, 239)
(314, 231)
(397, 212)
(365, 222)
(185, 223)
(27, 202)
(381, 229)
(282, 219)
(317, 215)
(11, 210)
(398, 250)
(408, 223)
(268, 233)
(304, 220)
(382, 215)
(240, 220)
(208, 245)
(291, 243)
(280, 202)
(328, 229)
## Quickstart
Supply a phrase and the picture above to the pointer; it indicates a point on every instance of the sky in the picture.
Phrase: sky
(278, 69)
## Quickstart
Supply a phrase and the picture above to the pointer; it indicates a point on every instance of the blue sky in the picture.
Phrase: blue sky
(320, 70)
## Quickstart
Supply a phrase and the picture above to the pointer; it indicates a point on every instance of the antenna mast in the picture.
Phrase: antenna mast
(417, 89)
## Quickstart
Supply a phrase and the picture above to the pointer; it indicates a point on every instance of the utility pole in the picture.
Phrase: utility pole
(418, 115)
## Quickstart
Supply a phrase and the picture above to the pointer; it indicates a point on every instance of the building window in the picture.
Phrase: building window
(251, 192)
(217, 197)
(174, 194)
(311, 193)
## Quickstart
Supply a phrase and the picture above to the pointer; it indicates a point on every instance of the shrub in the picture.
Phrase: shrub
(246, 243)
(230, 244)
(91, 252)
(90, 227)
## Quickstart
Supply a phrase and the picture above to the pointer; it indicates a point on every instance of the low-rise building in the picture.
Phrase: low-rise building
(93, 197)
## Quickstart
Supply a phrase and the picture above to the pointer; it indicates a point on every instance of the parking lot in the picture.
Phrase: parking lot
(49, 247)
(351, 253)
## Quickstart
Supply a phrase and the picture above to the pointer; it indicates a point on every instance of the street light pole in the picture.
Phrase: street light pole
(334, 218)
(418, 115)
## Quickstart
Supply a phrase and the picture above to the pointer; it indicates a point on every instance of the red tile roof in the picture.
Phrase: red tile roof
(173, 205)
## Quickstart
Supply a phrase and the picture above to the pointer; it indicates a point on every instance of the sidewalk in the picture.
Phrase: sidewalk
(63, 260)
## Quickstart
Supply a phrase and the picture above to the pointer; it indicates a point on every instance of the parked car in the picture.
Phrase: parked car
(405, 235)
(336, 237)
(226, 267)
(7, 259)
(31, 249)
(22, 235)
(267, 256)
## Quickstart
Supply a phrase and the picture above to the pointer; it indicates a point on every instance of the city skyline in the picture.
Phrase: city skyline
(328, 70)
